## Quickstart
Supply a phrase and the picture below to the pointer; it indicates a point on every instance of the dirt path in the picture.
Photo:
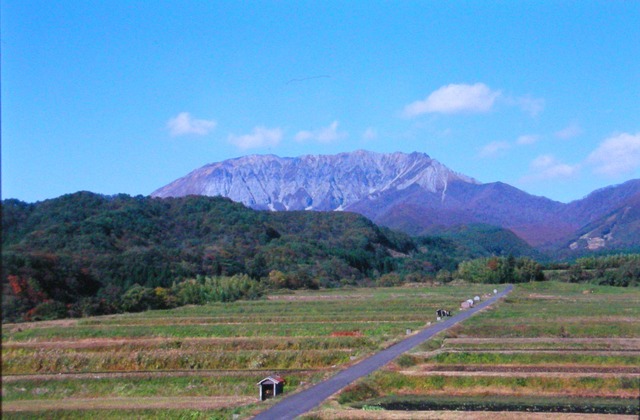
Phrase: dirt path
(195, 403)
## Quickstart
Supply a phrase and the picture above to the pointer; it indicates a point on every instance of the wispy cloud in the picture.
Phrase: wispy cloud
(494, 148)
(323, 135)
(532, 106)
(370, 134)
(617, 155)
(184, 124)
(569, 132)
(527, 139)
(455, 98)
(259, 137)
(499, 148)
(546, 167)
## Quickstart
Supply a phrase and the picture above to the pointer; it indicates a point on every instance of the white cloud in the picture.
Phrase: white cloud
(184, 124)
(260, 137)
(532, 106)
(370, 134)
(617, 155)
(323, 135)
(527, 139)
(455, 98)
(570, 131)
(547, 167)
(494, 148)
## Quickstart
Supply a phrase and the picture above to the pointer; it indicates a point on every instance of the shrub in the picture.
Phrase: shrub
(48, 310)
(139, 298)
(389, 280)
(406, 361)
(357, 392)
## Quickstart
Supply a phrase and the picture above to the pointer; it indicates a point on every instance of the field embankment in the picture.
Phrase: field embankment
(204, 361)
(549, 347)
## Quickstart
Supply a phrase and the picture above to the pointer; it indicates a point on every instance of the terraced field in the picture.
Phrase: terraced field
(547, 347)
(204, 361)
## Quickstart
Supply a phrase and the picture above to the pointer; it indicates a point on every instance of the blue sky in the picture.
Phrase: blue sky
(126, 96)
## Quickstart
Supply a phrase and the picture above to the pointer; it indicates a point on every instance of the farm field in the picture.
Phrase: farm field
(204, 361)
(547, 347)
(554, 346)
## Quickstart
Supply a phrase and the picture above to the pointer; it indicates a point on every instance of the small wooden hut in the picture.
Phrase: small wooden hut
(271, 386)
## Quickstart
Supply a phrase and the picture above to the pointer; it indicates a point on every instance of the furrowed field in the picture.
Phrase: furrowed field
(550, 345)
(204, 361)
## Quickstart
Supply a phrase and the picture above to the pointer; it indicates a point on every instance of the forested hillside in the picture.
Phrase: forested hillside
(83, 253)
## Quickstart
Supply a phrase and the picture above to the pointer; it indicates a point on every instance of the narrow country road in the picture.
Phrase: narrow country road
(297, 404)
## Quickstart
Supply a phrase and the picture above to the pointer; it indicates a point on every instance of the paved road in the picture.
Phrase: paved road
(297, 404)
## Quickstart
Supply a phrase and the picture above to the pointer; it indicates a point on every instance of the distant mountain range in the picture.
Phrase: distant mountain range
(419, 195)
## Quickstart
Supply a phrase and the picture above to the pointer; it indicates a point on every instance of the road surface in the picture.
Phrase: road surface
(297, 404)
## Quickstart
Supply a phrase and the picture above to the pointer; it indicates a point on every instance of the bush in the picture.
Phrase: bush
(216, 289)
(389, 280)
(357, 392)
(406, 361)
(139, 298)
(48, 310)
(500, 270)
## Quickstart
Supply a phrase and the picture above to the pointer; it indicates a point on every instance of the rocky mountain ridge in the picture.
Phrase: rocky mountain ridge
(410, 192)
(314, 182)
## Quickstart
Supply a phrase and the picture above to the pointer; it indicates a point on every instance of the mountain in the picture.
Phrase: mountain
(538, 220)
(616, 229)
(487, 240)
(314, 182)
(410, 192)
(603, 201)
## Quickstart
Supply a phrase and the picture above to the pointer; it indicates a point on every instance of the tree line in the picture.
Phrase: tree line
(87, 254)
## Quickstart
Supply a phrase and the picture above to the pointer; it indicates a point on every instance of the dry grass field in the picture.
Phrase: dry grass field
(203, 361)
(545, 344)
(548, 347)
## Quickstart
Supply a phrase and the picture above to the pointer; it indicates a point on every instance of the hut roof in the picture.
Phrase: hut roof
(275, 379)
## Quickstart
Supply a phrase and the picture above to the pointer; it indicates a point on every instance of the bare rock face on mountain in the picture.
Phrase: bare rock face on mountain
(609, 219)
(410, 192)
(315, 182)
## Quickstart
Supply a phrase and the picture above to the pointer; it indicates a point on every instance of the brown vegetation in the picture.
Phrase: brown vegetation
(192, 403)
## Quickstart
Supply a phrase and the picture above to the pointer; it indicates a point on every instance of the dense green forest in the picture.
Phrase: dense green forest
(86, 254)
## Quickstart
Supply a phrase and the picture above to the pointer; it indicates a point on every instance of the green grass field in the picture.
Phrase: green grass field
(215, 353)
(545, 341)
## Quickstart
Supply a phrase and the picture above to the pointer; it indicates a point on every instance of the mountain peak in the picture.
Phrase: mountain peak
(313, 182)
(411, 192)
